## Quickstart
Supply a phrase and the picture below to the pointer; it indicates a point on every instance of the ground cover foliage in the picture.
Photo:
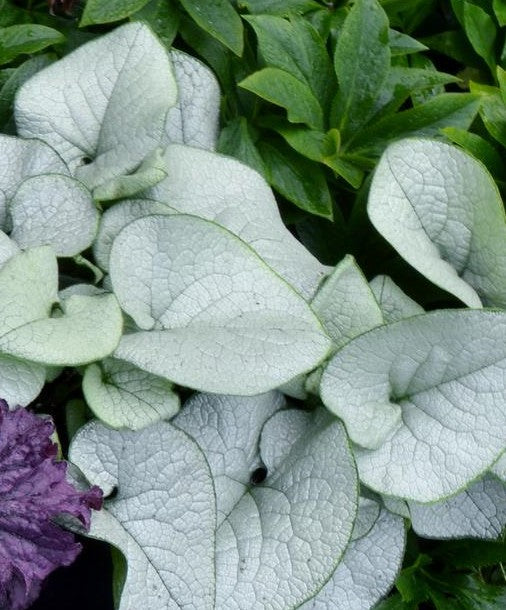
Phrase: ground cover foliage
(253, 264)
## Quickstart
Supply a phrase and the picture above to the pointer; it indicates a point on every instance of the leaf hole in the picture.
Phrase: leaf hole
(258, 476)
(86, 160)
(113, 493)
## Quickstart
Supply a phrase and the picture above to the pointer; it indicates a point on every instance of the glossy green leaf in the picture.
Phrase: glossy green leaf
(479, 147)
(280, 7)
(218, 18)
(96, 11)
(362, 62)
(236, 141)
(296, 178)
(447, 110)
(294, 46)
(27, 38)
(481, 31)
(211, 306)
(492, 111)
(500, 11)
(402, 44)
(442, 374)
(163, 18)
(441, 210)
(281, 88)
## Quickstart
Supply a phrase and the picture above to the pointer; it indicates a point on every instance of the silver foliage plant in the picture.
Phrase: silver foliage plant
(238, 500)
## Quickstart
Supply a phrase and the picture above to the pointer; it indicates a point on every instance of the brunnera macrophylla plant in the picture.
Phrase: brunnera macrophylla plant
(241, 501)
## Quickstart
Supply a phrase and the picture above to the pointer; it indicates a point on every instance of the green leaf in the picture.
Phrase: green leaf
(447, 110)
(236, 141)
(163, 18)
(55, 210)
(454, 44)
(296, 178)
(94, 128)
(249, 333)
(362, 62)
(492, 111)
(209, 185)
(500, 11)
(484, 553)
(26, 38)
(97, 11)
(465, 256)
(402, 44)
(436, 88)
(323, 148)
(295, 47)
(480, 148)
(219, 19)
(280, 7)
(281, 88)
(123, 396)
(418, 367)
(481, 31)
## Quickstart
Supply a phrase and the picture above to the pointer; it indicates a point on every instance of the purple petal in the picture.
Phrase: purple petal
(33, 491)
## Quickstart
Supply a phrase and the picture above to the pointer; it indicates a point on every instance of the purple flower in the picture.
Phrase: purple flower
(33, 491)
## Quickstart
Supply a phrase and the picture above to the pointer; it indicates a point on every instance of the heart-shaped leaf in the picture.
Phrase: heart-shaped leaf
(53, 210)
(221, 189)
(163, 516)
(122, 395)
(98, 107)
(20, 159)
(269, 532)
(88, 330)
(214, 316)
(442, 373)
(441, 210)
(477, 512)
(277, 539)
